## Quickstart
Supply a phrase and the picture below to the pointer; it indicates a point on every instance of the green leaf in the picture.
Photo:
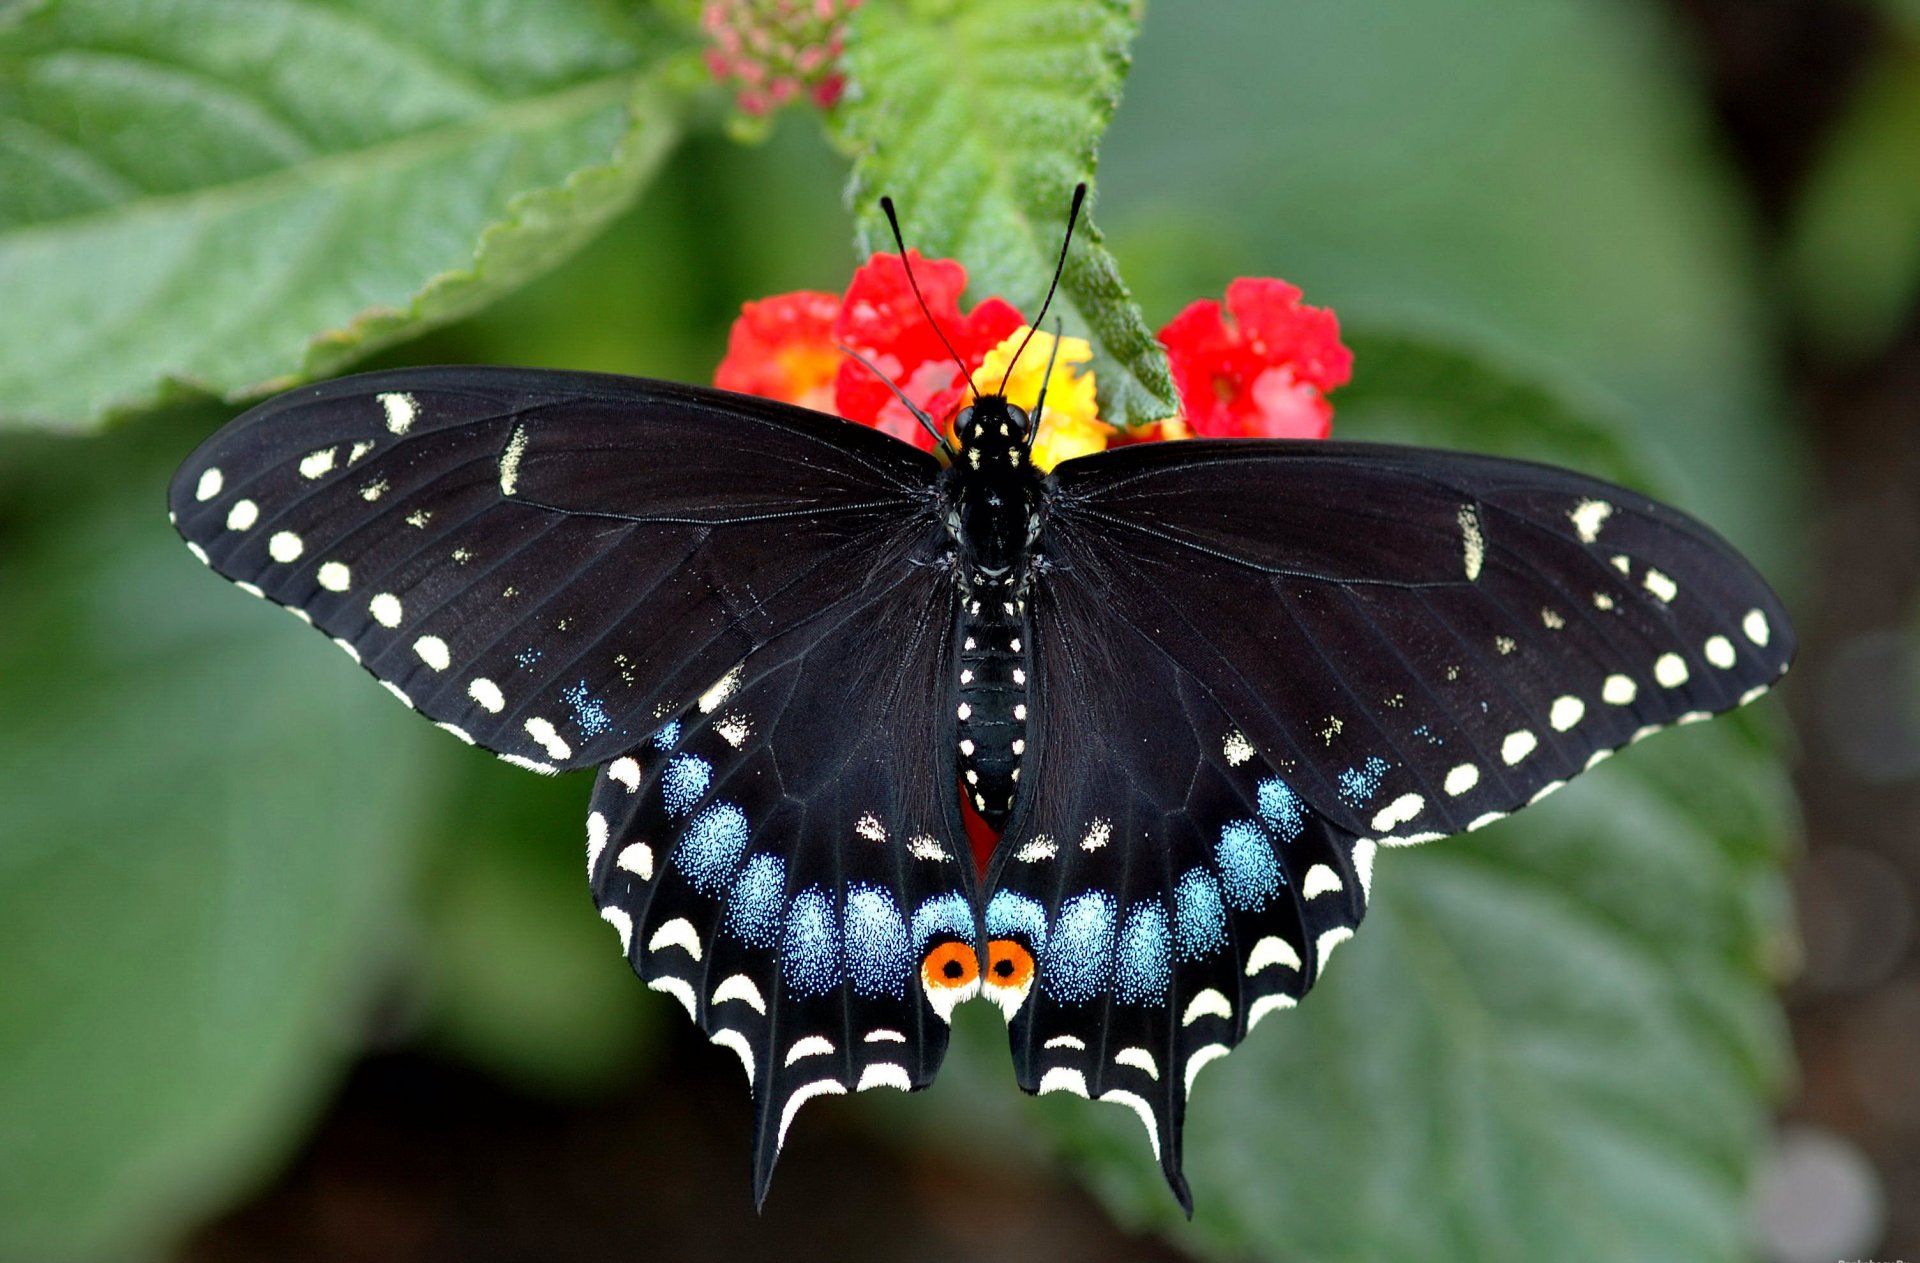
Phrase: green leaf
(207, 823)
(978, 119)
(1555, 1038)
(228, 195)
(1854, 249)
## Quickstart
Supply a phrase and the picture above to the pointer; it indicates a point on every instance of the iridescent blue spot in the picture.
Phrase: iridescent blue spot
(588, 711)
(753, 907)
(527, 657)
(1199, 919)
(684, 783)
(668, 737)
(1146, 956)
(1357, 784)
(810, 948)
(1249, 870)
(1281, 809)
(711, 848)
(1079, 957)
(878, 959)
(948, 916)
(1009, 913)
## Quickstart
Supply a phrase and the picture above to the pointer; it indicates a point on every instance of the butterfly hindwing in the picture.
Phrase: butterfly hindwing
(538, 561)
(785, 857)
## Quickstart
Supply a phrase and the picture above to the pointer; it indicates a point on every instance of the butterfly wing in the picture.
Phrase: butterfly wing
(739, 608)
(1255, 663)
(543, 562)
(781, 858)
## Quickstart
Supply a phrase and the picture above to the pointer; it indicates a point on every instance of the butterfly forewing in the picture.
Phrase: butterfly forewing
(541, 561)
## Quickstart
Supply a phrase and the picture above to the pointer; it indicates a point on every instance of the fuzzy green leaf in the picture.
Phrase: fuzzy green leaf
(204, 847)
(978, 119)
(227, 196)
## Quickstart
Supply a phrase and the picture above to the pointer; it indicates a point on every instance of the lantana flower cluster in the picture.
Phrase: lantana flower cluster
(1259, 369)
(777, 50)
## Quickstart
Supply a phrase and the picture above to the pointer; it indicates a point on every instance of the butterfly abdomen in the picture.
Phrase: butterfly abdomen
(993, 699)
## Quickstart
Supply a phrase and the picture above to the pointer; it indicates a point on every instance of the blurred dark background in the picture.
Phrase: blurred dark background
(518, 1097)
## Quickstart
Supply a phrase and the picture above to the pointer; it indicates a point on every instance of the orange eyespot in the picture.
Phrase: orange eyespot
(949, 966)
(1008, 964)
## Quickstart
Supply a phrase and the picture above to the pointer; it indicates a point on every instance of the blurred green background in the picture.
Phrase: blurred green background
(285, 974)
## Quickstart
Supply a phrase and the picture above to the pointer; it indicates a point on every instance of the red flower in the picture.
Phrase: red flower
(880, 319)
(1264, 376)
(783, 348)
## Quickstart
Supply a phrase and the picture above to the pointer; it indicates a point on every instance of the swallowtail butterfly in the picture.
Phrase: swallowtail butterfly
(1198, 685)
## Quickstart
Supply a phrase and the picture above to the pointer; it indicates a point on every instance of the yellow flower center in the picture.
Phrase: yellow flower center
(1070, 426)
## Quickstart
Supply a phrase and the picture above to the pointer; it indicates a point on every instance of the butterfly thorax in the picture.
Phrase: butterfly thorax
(993, 512)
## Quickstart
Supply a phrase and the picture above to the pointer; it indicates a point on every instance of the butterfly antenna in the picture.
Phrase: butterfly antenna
(1073, 215)
(905, 402)
(893, 220)
(1040, 404)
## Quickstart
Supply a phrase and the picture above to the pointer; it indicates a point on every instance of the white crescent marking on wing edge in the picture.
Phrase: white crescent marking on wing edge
(1207, 1003)
(1134, 1102)
(885, 1074)
(740, 987)
(678, 932)
(738, 1042)
(1199, 1060)
(1272, 950)
(809, 1046)
(801, 1095)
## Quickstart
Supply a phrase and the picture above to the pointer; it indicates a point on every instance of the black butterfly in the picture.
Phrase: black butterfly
(1198, 684)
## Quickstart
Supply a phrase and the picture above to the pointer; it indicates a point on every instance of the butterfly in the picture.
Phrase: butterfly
(1197, 686)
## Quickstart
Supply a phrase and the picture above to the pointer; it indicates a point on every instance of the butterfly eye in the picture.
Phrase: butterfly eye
(950, 966)
(1020, 418)
(965, 420)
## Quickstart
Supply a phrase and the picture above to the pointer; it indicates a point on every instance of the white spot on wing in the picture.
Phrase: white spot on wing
(1063, 1079)
(386, 610)
(1041, 848)
(1320, 880)
(681, 990)
(1567, 711)
(922, 846)
(487, 694)
(1461, 778)
(1517, 746)
(1135, 1102)
(1323, 947)
(626, 771)
(1661, 586)
(347, 648)
(318, 464)
(870, 828)
(636, 858)
(1670, 670)
(242, 515)
(596, 841)
(433, 651)
(457, 731)
(1719, 651)
(679, 933)
(885, 1074)
(1756, 627)
(510, 460)
(199, 553)
(1588, 516)
(1207, 1003)
(395, 689)
(722, 689)
(1236, 748)
(400, 409)
(1267, 1004)
(1098, 835)
(543, 732)
(742, 988)
(619, 920)
(334, 576)
(1272, 950)
(801, 1095)
(1618, 690)
(1363, 852)
(285, 547)
(1140, 1059)
(735, 1040)
(1398, 812)
(1472, 541)
(1067, 1041)
(885, 1035)
(211, 480)
(1201, 1058)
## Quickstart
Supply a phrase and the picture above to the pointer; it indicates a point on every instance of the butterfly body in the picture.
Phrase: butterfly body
(1207, 683)
(994, 495)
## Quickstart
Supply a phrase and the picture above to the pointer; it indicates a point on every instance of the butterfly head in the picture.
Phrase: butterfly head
(995, 488)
